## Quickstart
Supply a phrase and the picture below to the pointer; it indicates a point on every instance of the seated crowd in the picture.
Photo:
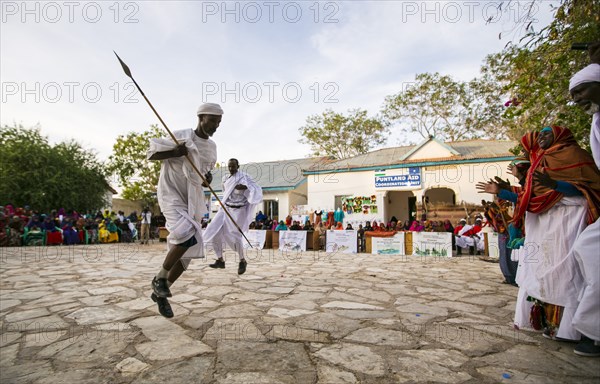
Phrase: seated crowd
(25, 226)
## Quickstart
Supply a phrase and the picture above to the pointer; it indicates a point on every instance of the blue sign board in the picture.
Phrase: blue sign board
(412, 179)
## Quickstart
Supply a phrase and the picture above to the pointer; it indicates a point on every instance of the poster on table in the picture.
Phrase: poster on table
(257, 239)
(292, 241)
(341, 241)
(493, 244)
(388, 245)
(432, 244)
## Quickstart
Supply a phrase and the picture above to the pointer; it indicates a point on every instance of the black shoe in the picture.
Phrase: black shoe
(587, 348)
(219, 263)
(163, 305)
(242, 267)
(160, 287)
(551, 335)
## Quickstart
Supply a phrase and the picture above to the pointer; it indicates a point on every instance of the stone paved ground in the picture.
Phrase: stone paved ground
(83, 315)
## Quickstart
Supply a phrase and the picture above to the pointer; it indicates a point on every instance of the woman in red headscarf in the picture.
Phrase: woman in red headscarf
(560, 198)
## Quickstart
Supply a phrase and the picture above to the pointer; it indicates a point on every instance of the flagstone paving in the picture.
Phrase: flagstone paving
(83, 315)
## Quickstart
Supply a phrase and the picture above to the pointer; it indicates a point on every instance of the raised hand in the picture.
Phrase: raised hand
(502, 184)
(489, 187)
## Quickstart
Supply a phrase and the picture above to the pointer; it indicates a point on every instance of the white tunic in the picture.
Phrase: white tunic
(587, 317)
(221, 231)
(180, 192)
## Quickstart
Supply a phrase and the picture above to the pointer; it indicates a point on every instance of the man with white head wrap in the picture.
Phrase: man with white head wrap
(241, 196)
(181, 196)
(585, 90)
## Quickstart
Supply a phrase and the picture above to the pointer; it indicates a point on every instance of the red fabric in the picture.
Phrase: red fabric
(380, 233)
(53, 238)
(473, 231)
(457, 229)
(564, 160)
(330, 221)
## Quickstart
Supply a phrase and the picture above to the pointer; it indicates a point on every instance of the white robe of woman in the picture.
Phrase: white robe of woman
(548, 270)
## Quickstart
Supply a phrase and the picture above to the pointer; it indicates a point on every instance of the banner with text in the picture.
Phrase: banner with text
(407, 178)
(342, 241)
(432, 244)
(292, 241)
(257, 239)
(388, 245)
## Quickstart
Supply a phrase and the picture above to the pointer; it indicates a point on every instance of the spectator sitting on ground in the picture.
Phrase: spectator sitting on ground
(416, 226)
(349, 227)
(34, 222)
(295, 226)
(48, 225)
(468, 237)
(368, 227)
(281, 226)
(126, 232)
(70, 235)
(261, 216)
(16, 228)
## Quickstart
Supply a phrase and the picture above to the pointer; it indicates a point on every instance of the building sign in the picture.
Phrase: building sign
(392, 179)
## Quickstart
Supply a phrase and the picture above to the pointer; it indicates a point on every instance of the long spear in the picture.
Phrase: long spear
(128, 73)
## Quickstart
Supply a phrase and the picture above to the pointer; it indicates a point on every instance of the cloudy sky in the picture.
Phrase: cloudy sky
(270, 64)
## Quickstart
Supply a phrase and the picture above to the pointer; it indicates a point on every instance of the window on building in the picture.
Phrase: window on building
(338, 201)
(271, 208)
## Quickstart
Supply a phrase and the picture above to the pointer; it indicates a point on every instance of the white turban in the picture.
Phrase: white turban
(589, 74)
(209, 109)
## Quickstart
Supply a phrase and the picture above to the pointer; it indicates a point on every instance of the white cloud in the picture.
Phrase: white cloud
(175, 49)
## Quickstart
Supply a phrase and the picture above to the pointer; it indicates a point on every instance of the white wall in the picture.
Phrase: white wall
(460, 178)
(463, 178)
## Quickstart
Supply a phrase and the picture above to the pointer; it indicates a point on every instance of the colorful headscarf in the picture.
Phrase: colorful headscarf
(564, 160)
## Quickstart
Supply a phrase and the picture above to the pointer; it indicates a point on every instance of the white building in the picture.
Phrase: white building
(392, 181)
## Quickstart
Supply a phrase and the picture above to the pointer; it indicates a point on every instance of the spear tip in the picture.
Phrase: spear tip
(125, 67)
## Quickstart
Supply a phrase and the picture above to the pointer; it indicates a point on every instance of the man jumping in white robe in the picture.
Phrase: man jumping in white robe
(241, 195)
(181, 196)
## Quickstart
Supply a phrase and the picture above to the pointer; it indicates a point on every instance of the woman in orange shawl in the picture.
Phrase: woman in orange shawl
(560, 197)
(555, 155)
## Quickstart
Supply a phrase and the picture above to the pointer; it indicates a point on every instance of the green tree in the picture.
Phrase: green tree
(137, 176)
(535, 71)
(341, 136)
(437, 105)
(46, 177)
